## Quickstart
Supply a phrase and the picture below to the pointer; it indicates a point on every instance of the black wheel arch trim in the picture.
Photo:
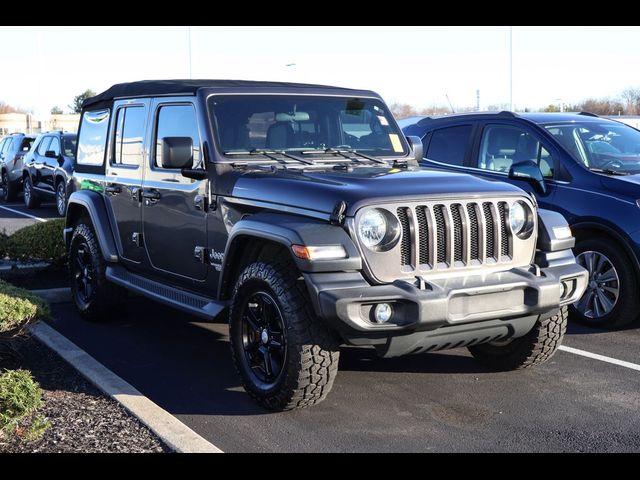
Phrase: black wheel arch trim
(288, 230)
(93, 204)
(608, 230)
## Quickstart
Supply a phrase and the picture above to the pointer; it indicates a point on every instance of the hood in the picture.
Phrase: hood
(628, 185)
(321, 190)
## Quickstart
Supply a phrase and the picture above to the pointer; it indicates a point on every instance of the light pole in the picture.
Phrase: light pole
(511, 69)
(189, 33)
(289, 67)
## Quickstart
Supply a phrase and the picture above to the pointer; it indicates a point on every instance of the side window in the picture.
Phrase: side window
(55, 145)
(7, 145)
(449, 145)
(92, 140)
(502, 146)
(44, 145)
(129, 136)
(177, 121)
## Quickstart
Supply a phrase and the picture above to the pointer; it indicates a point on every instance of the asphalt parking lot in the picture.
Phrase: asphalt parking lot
(440, 402)
(14, 215)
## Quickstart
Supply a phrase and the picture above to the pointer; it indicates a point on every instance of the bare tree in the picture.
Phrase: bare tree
(402, 110)
(631, 98)
(6, 108)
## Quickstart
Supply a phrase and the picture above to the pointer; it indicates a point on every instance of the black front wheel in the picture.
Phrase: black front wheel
(534, 348)
(285, 356)
(94, 296)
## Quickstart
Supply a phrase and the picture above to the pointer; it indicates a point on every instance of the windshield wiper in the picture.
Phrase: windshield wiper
(608, 171)
(270, 154)
(343, 152)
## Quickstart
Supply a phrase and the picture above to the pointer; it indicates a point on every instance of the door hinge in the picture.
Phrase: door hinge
(338, 215)
(199, 254)
(136, 239)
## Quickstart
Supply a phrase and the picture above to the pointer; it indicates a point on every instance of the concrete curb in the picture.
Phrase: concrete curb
(172, 431)
(54, 295)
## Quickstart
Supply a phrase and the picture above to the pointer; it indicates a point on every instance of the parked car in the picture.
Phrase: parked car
(13, 148)
(47, 169)
(578, 164)
(301, 211)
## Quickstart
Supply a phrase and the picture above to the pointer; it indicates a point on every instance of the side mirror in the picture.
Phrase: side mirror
(529, 171)
(50, 154)
(416, 146)
(177, 152)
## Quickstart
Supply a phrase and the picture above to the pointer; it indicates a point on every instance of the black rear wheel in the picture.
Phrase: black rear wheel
(61, 199)
(95, 297)
(8, 189)
(31, 199)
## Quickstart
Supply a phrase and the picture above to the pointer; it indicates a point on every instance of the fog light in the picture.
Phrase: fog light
(382, 313)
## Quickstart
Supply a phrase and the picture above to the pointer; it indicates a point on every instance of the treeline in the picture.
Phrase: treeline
(627, 103)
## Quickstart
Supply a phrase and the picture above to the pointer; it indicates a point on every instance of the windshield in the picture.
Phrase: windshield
(303, 123)
(601, 146)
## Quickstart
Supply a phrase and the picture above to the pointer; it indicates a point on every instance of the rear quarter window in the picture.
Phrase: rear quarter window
(92, 140)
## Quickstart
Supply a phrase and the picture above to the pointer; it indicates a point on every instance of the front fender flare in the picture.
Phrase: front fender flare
(93, 204)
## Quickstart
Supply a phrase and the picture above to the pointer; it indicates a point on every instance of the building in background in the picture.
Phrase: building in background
(26, 123)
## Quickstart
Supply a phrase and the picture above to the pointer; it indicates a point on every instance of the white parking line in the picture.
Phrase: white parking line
(171, 430)
(602, 358)
(23, 213)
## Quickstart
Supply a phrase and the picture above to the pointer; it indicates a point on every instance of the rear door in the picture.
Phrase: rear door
(123, 179)
(38, 161)
(502, 145)
(448, 148)
(174, 223)
(49, 164)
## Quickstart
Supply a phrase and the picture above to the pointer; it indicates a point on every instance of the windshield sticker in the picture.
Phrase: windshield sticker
(383, 121)
(395, 142)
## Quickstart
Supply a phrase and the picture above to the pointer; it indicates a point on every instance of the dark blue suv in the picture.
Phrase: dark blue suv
(581, 165)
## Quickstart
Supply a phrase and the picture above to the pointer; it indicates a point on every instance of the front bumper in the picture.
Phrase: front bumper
(347, 300)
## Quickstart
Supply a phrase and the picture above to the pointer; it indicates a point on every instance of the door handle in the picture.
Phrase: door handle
(112, 189)
(151, 194)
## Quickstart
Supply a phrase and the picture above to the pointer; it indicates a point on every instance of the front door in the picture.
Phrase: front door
(175, 226)
(123, 182)
(503, 145)
(49, 164)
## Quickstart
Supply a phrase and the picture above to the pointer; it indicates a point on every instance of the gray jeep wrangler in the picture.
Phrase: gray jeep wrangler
(299, 212)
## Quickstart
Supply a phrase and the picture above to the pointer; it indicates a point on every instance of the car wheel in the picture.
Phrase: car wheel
(31, 199)
(611, 298)
(95, 297)
(61, 199)
(285, 356)
(534, 348)
(8, 189)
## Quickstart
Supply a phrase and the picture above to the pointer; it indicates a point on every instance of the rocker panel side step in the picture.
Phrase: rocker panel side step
(198, 305)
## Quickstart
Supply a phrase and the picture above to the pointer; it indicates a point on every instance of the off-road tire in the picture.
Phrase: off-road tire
(31, 199)
(311, 362)
(532, 349)
(107, 299)
(10, 189)
(627, 306)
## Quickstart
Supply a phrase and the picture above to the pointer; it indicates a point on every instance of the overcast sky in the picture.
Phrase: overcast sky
(47, 66)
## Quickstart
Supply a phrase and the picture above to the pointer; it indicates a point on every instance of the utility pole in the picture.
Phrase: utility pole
(511, 69)
(478, 100)
(190, 71)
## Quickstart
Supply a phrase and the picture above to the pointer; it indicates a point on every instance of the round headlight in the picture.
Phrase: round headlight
(517, 217)
(372, 228)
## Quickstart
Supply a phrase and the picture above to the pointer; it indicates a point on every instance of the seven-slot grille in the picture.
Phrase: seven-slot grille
(454, 235)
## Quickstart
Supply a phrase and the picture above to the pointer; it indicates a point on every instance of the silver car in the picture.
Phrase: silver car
(13, 148)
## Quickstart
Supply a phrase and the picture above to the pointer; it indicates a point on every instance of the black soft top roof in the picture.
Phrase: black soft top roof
(151, 88)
